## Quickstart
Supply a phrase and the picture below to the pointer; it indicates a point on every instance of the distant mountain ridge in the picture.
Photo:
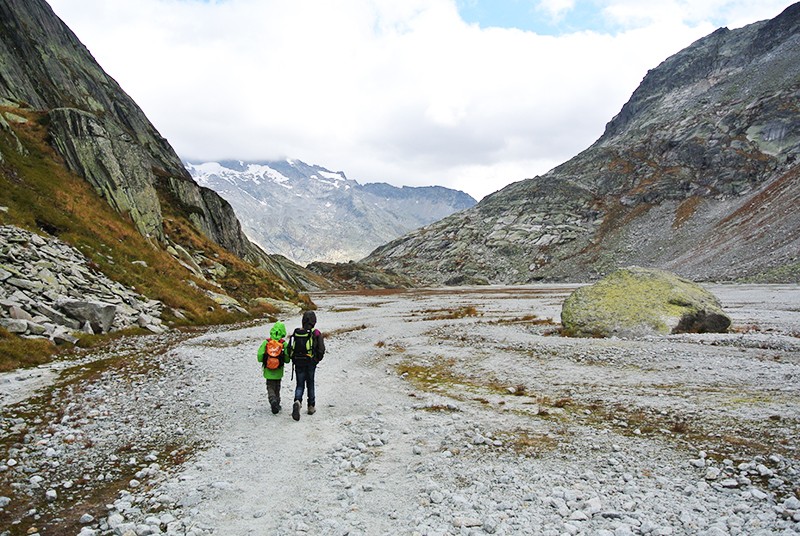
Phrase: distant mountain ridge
(697, 174)
(309, 213)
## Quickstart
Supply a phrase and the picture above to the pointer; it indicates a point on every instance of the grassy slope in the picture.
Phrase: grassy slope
(43, 196)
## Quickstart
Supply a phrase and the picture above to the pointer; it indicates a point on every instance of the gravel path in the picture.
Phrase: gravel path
(440, 412)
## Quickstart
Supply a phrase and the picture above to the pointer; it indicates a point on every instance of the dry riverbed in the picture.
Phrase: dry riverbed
(446, 411)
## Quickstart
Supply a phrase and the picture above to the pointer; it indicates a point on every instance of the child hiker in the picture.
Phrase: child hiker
(306, 348)
(272, 355)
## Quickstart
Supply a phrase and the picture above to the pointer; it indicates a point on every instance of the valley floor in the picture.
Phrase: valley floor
(440, 412)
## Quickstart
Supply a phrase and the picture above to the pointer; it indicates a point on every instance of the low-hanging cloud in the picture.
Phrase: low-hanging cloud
(403, 92)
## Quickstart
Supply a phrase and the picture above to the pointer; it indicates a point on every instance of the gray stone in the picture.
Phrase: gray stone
(63, 336)
(145, 320)
(34, 328)
(13, 325)
(57, 317)
(25, 284)
(99, 315)
(792, 503)
(47, 278)
(17, 312)
(125, 529)
(192, 499)
(115, 520)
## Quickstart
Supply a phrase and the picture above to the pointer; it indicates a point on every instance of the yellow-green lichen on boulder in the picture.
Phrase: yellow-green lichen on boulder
(636, 302)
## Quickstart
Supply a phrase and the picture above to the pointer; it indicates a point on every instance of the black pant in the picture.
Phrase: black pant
(305, 378)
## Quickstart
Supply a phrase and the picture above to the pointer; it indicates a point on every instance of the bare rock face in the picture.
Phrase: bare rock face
(635, 302)
(112, 162)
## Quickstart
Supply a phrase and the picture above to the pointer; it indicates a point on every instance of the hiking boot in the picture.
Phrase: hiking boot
(296, 410)
(312, 410)
(275, 407)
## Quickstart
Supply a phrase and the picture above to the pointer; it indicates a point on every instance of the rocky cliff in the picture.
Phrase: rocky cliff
(697, 174)
(104, 137)
(308, 213)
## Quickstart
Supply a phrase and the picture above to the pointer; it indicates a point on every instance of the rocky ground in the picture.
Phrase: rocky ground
(49, 289)
(440, 412)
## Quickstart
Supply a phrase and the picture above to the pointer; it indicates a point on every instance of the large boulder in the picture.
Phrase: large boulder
(635, 302)
(99, 315)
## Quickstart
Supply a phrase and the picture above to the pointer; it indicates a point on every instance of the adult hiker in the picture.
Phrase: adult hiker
(306, 348)
(272, 355)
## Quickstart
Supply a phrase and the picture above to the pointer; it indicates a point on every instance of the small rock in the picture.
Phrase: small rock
(712, 473)
(579, 515)
(792, 503)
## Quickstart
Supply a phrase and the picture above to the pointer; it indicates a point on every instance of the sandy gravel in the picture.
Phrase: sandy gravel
(488, 423)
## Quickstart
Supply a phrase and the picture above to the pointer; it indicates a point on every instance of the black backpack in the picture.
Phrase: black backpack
(302, 344)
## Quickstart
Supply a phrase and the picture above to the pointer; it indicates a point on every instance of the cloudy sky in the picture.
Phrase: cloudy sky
(469, 94)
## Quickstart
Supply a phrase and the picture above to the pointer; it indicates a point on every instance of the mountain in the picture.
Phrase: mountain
(81, 166)
(697, 174)
(309, 213)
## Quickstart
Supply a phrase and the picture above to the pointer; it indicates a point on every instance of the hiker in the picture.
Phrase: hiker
(272, 355)
(306, 348)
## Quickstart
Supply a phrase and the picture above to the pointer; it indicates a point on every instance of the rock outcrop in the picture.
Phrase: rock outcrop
(98, 129)
(49, 289)
(698, 174)
(635, 302)
(101, 152)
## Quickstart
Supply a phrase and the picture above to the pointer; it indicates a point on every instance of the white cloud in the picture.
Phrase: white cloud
(555, 9)
(732, 13)
(403, 92)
